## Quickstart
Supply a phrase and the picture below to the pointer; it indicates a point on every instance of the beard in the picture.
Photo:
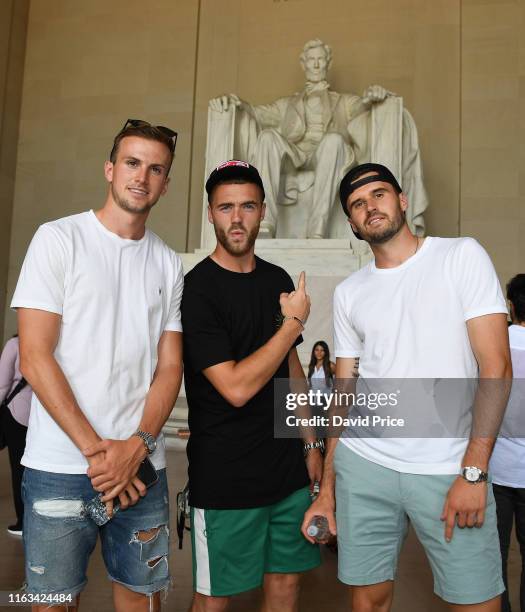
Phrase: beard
(236, 249)
(128, 207)
(392, 228)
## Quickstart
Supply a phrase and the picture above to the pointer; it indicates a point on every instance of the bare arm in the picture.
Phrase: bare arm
(488, 337)
(324, 505)
(298, 384)
(38, 333)
(239, 381)
(123, 457)
(345, 378)
(166, 383)
(38, 336)
(489, 340)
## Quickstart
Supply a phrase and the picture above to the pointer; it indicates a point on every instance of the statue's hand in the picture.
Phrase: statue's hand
(236, 100)
(223, 103)
(374, 94)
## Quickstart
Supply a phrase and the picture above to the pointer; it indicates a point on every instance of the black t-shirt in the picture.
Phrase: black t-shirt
(234, 459)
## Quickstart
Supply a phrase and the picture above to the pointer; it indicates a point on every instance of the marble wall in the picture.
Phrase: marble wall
(459, 65)
(493, 130)
(90, 66)
(13, 25)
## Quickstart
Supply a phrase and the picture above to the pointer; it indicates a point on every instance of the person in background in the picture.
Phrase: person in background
(320, 369)
(508, 459)
(13, 422)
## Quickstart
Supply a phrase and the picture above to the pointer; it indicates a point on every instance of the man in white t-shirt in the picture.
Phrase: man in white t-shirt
(423, 311)
(98, 303)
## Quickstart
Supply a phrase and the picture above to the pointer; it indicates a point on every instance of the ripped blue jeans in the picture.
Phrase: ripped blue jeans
(59, 538)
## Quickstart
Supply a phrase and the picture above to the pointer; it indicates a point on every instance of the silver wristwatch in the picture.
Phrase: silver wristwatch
(474, 474)
(150, 441)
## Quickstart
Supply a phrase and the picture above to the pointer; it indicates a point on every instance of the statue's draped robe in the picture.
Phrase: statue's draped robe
(384, 132)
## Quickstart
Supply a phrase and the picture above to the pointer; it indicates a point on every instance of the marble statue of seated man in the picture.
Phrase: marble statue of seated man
(317, 130)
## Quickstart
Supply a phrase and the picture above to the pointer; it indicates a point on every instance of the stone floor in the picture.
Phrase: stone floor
(320, 590)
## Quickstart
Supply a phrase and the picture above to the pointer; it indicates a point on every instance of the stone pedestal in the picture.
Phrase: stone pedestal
(325, 262)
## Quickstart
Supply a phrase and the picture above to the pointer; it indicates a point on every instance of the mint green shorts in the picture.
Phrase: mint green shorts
(233, 549)
(374, 507)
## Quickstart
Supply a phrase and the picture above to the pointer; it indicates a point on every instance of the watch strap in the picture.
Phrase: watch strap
(147, 439)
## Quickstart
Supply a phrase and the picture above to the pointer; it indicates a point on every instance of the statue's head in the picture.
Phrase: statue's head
(316, 58)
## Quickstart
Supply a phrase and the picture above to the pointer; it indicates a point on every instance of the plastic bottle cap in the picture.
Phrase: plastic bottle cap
(312, 530)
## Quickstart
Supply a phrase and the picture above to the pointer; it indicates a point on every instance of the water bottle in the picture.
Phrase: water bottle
(95, 508)
(318, 529)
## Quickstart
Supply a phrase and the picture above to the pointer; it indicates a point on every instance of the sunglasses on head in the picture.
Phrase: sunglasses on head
(161, 128)
(165, 131)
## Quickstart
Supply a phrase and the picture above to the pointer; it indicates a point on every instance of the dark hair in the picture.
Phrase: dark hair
(353, 179)
(326, 362)
(233, 181)
(516, 295)
(149, 132)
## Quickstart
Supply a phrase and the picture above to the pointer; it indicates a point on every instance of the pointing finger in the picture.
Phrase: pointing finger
(302, 281)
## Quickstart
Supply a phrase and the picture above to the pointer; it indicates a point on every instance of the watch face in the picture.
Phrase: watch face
(472, 474)
(152, 444)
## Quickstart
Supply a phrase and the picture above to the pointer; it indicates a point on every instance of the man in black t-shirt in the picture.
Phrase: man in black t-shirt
(242, 320)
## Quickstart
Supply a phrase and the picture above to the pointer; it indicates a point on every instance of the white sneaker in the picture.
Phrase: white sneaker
(15, 530)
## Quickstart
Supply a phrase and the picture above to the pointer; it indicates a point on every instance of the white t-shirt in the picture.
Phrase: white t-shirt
(116, 298)
(507, 464)
(408, 322)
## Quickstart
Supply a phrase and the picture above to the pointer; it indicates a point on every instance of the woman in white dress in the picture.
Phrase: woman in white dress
(320, 369)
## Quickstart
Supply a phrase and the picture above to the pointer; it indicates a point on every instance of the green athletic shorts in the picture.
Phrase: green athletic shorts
(233, 549)
(374, 505)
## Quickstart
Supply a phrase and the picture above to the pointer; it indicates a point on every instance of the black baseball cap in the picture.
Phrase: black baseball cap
(231, 170)
(351, 180)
